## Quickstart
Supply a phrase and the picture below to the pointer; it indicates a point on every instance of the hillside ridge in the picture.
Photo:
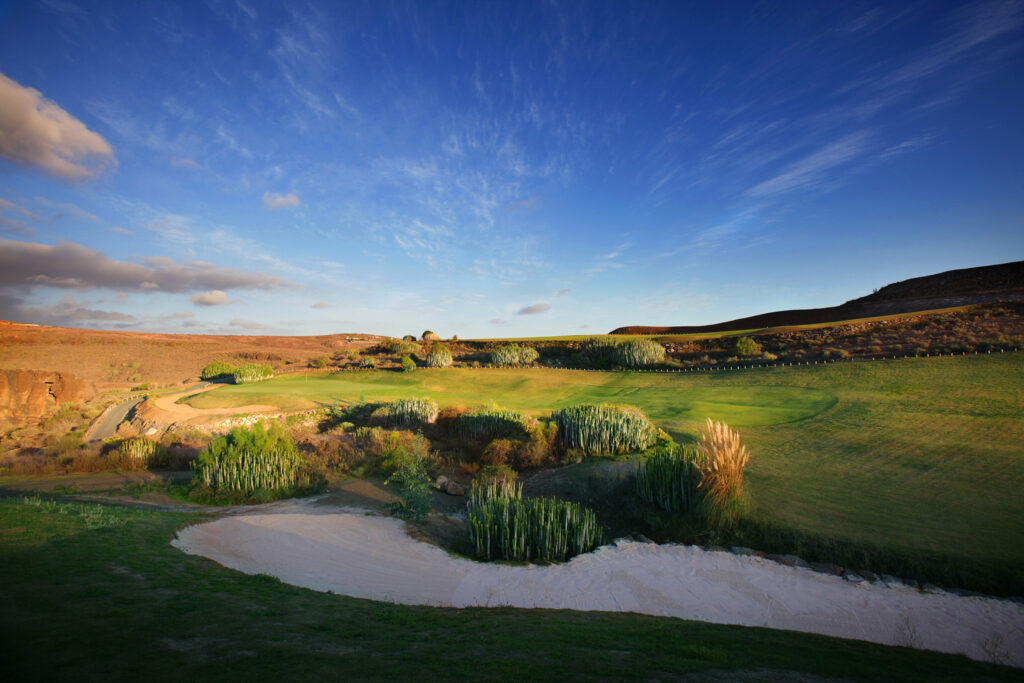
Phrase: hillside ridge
(960, 287)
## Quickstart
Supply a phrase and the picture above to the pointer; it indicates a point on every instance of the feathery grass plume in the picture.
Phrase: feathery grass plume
(604, 429)
(721, 463)
(670, 479)
(248, 460)
(514, 354)
(502, 525)
(217, 369)
(406, 412)
(438, 357)
(492, 423)
(245, 374)
(639, 353)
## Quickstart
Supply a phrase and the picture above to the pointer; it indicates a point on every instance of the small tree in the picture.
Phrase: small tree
(745, 346)
(408, 337)
(408, 364)
(413, 486)
(431, 336)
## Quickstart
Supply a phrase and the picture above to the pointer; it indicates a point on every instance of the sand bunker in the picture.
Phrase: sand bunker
(353, 553)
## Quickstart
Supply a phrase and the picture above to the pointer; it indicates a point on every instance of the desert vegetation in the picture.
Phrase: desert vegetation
(438, 356)
(251, 372)
(514, 354)
(502, 525)
(256, 464)
(604, 429)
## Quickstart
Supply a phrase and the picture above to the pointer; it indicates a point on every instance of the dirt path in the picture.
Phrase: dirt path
(106, 426)
(348, 551)
(165, 409)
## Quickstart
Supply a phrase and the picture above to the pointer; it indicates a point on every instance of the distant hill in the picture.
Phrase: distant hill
(963, 287)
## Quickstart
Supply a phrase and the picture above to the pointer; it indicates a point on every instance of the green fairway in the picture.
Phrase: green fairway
(97, 593)
(919, 454)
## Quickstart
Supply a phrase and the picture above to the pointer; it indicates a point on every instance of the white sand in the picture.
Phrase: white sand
(348, 552)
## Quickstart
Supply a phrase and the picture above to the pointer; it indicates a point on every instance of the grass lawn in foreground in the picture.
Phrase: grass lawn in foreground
(92, 593)
(921, 455)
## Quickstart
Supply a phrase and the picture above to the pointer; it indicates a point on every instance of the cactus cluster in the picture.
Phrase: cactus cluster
(604, 429)
(406, 412)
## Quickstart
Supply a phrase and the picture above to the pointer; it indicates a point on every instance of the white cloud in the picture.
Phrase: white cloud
(38, 133)
(249, 324)
(215, 297)
(185, 162)
(813, 170)
(534, 309)
(322, 304)
(273, 200)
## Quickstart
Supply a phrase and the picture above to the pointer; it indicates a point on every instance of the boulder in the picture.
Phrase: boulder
(827, 568)
(452, 488)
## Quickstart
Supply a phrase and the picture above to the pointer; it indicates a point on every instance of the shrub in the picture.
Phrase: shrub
(835, 353)
(514, 354)
(491, 473)
(401, 348)
(430, 336)
(745, 346)
(408, 364)
(492, 423)
(604, 429)
(409, 338)
(217, 369)
(413, 486)
(670, 479)
(136, 453)
(367, 362)
(406, 412)
(245, 374)
(638, 353)
(438, 357)
(599, 351)
(503, 526)
(721, 462)
(249, 460)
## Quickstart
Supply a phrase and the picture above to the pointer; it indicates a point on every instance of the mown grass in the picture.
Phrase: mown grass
(922, 455)
(120, 603)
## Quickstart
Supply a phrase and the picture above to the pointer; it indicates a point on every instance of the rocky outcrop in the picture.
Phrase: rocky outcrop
(34, 393)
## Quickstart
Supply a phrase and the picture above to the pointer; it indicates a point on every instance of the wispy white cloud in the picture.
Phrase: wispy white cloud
(273, 200)
(214, 297)
(75, 211)
(320, 305)
(814, 170)
(184, 162)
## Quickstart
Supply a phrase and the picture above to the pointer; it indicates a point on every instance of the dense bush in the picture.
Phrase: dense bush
(504, 526)
(217, 369)
(514, 354)
(245, 374)
(438, 357)
(408, 364)
(136, 453)
(604, 429)
(430, 336)
(247, 461)
(670, 479)
(599, 352)
(638, 353)
(409, 338)
(492, 423)
(367, 362)
(401, 348)
(745, 346)
(406, 412)
(413, 485)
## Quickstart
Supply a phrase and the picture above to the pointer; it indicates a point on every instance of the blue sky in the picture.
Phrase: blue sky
(496, 169)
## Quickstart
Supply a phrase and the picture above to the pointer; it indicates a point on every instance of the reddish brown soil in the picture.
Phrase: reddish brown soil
(1004, 282)
(114, 359)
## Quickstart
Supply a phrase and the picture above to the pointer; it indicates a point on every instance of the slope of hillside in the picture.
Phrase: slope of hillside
(115, 358)
(1003, 282)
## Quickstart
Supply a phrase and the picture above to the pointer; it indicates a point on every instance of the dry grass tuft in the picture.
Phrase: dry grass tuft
(722, 462)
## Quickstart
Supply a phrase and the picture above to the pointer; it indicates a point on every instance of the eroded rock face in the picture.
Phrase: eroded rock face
(34, 393)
